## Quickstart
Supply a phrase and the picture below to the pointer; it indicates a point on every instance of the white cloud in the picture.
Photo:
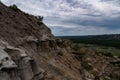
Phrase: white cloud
(75, 14)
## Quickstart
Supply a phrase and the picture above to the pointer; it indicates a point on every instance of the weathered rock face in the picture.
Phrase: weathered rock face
(27, 48)
(21, 25)
(19, 30)
(33, 60)
(6, 61)
(28, 51)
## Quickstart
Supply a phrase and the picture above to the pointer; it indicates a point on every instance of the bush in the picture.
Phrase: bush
(40, 18)
(14, 7)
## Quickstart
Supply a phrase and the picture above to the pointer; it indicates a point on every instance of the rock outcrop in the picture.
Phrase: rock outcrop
(29, 51)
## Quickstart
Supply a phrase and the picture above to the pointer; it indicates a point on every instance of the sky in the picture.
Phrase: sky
(75, 17)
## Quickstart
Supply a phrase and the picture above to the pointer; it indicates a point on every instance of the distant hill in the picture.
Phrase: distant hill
(105, 37)
(105, 40)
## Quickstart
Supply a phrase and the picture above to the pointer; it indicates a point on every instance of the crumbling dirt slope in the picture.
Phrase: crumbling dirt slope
(28, 51)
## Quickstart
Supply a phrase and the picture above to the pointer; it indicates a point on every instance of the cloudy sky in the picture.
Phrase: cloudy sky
(75, 17)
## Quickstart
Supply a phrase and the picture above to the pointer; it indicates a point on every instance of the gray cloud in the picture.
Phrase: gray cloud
(75, 17)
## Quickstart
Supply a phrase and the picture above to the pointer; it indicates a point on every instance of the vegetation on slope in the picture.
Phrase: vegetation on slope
(14, 7)
(111, 42)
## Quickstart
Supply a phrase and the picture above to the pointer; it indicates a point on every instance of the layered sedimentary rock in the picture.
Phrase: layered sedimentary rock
(29, 51)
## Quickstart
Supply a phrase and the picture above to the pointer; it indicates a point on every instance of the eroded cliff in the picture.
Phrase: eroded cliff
(29, 51)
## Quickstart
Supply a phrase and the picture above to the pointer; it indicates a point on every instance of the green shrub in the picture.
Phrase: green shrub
(40, 18)
(14, 7)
